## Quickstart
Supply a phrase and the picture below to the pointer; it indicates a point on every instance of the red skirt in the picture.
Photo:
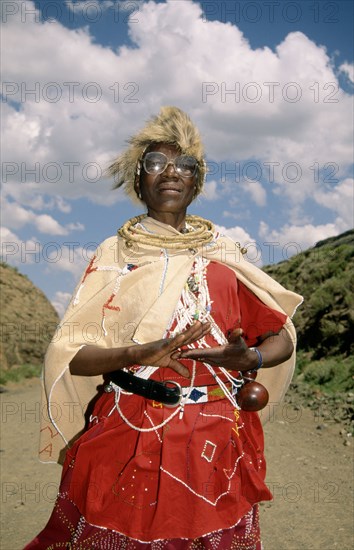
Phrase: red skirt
(188, 482)
(67, 529)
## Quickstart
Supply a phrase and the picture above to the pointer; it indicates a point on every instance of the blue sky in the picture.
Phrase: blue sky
(269, 84)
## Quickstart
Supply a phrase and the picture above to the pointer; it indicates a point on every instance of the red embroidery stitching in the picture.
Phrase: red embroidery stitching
(51, 431)
(48, 449)
(107, 305)
(89, 269)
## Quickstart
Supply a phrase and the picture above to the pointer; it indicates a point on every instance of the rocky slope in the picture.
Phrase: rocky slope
(324, 275)
(324, 377)
(28, 320)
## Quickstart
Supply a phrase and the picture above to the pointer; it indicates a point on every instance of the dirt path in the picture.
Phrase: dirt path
(310, 472)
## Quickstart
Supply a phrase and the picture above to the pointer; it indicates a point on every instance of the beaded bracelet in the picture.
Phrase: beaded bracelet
(260, 359)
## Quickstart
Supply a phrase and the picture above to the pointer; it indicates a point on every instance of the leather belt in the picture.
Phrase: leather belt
(169, 392)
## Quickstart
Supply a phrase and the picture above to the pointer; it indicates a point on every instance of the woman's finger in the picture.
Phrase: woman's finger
(201, 354)
(235, 335)
(179, 368)
(192, 334)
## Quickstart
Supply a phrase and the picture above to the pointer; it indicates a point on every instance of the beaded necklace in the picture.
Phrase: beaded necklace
(195, 303)
(201, 234)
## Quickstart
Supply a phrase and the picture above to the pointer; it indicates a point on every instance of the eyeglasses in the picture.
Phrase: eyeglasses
(155, 163)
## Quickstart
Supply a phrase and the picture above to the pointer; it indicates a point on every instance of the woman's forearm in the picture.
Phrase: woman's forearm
(276, 349)
(91, 360)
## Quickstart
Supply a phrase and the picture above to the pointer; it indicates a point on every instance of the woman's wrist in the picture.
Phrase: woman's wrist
(274, 350)
(258, 362)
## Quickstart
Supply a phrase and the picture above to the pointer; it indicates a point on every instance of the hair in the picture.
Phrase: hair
(172, 126)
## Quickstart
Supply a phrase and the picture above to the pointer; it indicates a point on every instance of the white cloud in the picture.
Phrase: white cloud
(284, 110)
(340, 200)
(15, 216)
(81, 130)
(76, 226)
(37, 202)
(46, 224)
(210, 191)
(61, 301)
(294, 239)
(70, 258)
(348, 69)
(238, 213)
(236, 233)
(91, 8)
(257, 192)
(53, 256)
(16, 251)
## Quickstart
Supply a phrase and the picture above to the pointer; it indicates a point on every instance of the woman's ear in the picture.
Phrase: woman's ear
(137, 186)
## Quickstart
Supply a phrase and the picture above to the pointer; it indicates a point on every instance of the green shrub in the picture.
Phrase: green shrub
(332, 375)
(16, 374)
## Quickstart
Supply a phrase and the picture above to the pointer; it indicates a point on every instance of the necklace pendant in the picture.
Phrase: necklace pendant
(192, 284)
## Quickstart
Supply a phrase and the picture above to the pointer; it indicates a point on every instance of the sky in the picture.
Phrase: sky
(268, 83)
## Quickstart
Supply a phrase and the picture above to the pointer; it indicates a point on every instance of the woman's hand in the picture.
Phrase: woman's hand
(165, 353)
(92, 360)
(234, 355)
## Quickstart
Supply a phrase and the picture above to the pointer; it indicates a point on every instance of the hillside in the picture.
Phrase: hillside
(28, 320)
(324, 376)
(324, 275)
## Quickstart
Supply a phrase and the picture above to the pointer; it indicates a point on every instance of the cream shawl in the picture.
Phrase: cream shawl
(116, 304)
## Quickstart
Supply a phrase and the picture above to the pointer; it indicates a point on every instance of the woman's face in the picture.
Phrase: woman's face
(168, 192)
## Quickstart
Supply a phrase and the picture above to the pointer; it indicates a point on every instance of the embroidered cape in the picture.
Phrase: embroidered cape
(127, 295)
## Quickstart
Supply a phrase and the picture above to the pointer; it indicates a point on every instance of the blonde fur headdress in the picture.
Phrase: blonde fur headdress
(171, 125)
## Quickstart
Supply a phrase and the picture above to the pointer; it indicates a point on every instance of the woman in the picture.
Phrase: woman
(167, 458)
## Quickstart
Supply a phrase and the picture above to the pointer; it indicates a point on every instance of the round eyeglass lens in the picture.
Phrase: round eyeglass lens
(156, 163)
(187, 166)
